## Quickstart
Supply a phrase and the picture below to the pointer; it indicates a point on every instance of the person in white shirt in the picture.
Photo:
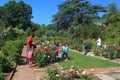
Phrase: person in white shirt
(99, 43)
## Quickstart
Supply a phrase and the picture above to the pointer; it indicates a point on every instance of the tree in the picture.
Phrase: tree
(113, 18)
(14, 13)
(112, 31)
(41, 30)
(112, 8)
(75, 12)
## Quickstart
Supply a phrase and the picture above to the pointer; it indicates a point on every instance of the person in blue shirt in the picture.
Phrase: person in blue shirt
(66, 51)
(63, 51)
(83, 48)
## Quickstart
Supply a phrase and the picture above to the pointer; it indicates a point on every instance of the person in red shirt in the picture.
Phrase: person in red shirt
(29, 43)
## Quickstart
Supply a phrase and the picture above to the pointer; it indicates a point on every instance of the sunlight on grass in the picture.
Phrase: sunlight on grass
(82, 61)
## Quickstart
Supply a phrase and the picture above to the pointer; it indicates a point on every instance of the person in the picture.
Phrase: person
(57, 50)
(29, 43)
(98, 43)
(83, 48)
(63, 51)
(54, 46)
(66, 51)
(30, 57)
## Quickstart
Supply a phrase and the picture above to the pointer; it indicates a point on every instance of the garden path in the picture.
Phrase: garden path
(23, 72)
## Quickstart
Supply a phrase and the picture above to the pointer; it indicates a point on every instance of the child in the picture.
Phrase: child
(63, 51)
(66, 51)
(30, 57)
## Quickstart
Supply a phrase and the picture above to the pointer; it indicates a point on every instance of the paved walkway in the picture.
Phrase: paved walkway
(23, 72)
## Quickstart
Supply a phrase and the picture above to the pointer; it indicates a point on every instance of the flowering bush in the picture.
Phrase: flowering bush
(70, 74)
(44, 56)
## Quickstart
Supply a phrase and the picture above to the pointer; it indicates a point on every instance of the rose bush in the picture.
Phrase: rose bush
(70, 74)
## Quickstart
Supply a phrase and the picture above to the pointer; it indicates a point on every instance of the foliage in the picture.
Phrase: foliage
(105, 53)
(88, 45)
(112, 32)
(112, 8)
(113, 18)
(82, 61)
(5, 64)
(28, 31)
(12, 49)
(50, 33)
(2, 77)
(52, 74)
(70, 74)
(12, 33)
(2, 41)
(44, 56)
(34, 26)
(111, 50)
(13, 14)
(75, 12)
(41, 31)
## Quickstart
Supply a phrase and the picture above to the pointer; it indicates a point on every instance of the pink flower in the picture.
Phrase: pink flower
(71, 70)
(78, 72)
(84, 73)
(92, 70)
(62, 71)
(57, 75)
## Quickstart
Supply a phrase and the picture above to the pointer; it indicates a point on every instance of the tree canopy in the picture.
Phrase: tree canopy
(16, 14)
(75, 12)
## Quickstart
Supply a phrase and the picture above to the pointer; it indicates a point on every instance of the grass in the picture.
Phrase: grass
(82, 61)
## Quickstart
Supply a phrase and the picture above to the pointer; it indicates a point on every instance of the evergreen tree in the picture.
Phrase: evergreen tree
(75, 12)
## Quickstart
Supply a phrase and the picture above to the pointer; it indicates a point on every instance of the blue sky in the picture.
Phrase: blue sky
(44, 9)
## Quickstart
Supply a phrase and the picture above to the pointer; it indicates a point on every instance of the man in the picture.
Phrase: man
(29, 42)
(99, 43)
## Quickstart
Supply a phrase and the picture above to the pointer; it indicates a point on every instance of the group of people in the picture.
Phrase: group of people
(29, 50)
(60, 50)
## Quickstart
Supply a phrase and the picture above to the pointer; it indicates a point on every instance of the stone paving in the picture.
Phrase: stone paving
(23, 72)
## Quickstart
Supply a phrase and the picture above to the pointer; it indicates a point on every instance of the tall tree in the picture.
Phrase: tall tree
(14, 14)
(75, 12)
(112, 8)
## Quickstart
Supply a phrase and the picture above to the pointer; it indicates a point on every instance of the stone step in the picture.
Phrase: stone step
(104, 76)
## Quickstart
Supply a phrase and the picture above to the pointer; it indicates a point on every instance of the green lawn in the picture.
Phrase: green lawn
(82, 61)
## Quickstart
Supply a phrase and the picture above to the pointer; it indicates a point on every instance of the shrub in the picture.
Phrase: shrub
(88, 46)
(70, 74)
(5, 64)
(2, 77)
(52, 74)
(40, 59)
(111, 50)
(43, 58)
(12, 49)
